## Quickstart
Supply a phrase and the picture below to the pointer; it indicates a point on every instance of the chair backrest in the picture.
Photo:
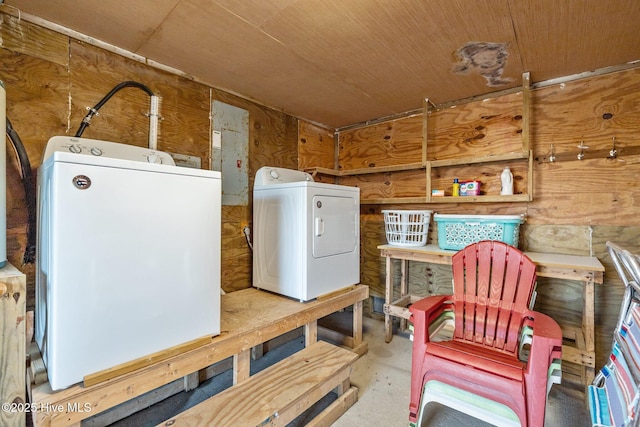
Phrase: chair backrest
(628, 267)
(614, 395)
(492, 286)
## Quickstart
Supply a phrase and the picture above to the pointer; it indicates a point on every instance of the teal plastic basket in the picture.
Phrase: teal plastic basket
(457, 231)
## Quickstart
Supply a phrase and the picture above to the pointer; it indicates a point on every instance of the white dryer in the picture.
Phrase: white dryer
(306, 234)
(128, 256)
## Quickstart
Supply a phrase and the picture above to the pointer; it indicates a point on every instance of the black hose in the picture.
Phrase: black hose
(27, 174)
(93, 111)
(29, 193)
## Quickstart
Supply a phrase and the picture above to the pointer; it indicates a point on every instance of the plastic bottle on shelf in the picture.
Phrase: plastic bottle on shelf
(456, 188)
(506, 178)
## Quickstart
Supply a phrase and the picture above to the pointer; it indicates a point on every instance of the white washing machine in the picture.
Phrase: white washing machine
(128, 256)
(306, 234)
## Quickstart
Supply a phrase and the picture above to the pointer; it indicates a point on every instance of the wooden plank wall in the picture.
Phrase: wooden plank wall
(316, 146)
(577, 204)
(51, 78)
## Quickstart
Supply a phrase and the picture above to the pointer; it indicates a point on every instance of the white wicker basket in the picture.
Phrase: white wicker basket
(406, 228)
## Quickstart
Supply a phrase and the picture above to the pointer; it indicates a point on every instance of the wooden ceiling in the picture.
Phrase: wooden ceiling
(343, 62)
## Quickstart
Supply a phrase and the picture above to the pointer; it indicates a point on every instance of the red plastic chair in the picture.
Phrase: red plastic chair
(489, 354)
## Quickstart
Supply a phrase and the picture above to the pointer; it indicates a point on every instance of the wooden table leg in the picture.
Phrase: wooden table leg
(388, 295)
(404, 287)
(588, 327)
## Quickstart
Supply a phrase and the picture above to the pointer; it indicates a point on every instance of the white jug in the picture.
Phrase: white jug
(506, 177)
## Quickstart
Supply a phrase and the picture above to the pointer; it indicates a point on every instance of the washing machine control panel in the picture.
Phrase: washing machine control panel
(98, 148)
(269, 175)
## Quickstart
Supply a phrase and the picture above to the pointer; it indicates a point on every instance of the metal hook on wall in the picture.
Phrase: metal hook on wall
(613, 153)
(552, 154)
(582, 147)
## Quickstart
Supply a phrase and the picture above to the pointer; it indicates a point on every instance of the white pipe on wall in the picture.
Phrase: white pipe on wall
(153, 123)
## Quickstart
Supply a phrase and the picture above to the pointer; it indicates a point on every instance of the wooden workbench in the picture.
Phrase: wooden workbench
(587, 270)
(249, 317)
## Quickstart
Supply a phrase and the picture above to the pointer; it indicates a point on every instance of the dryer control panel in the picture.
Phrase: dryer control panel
(98, 148)
(268, 175)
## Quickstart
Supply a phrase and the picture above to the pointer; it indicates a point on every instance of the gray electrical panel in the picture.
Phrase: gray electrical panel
(230, 151)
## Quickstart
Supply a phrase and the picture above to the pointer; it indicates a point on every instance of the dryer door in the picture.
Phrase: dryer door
(335, 225)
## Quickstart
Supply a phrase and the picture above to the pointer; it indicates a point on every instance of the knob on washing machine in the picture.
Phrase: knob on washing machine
(154, 158)
(75, 148)
(274, 174)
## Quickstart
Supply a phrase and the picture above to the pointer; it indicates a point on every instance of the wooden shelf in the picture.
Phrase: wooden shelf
(522, 154)
(308, 374)
(483, 159)
(365, 171)
(249, 317)
(482, 199)
(393, 201)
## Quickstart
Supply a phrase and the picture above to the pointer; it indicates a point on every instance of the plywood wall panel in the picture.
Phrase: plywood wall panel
(371, 264)
(37, 100)
(316, 146)
(553, 238)
(29, 39)
(592, 110)
(479, 128)
(387, 185)
(561, 299)
(273, 140)
(389, 143)
(587, 192)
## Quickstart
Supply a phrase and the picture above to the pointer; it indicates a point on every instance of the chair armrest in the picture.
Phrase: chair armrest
(546, 342)
(430, 307)
(544, 326)
(424, 312)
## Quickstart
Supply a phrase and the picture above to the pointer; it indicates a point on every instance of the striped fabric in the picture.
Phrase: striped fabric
(613, 396)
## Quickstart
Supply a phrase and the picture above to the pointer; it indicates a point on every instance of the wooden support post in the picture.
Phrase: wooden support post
(357, 323)
(310, 333)
(191, 381)
(13, 295)
(241, 366)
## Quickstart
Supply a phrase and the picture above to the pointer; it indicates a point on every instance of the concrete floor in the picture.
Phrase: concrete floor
(383, 377)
